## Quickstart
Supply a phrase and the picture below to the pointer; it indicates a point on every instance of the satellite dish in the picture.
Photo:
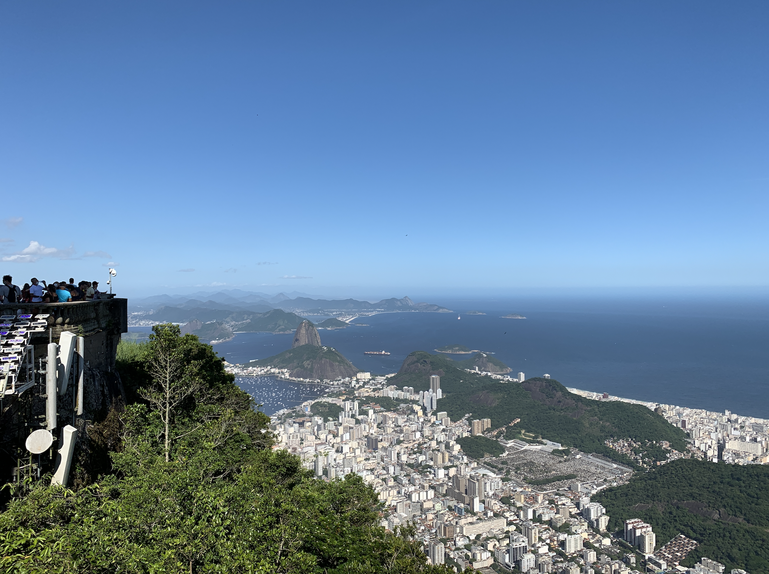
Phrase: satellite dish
(39, 441)
(112, 272)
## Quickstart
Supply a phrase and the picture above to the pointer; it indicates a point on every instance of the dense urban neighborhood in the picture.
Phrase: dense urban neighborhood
(482, 502)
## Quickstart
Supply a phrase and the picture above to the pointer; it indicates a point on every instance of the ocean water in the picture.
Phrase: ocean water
(702, 353)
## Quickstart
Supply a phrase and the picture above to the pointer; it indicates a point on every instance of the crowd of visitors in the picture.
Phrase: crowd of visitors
(56, 292)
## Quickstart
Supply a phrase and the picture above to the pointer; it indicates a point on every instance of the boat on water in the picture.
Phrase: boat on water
(376, 353)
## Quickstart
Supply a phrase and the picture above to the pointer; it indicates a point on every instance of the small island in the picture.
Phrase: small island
(332, 323)
(475, 313)
(513, 316)
(455, 350)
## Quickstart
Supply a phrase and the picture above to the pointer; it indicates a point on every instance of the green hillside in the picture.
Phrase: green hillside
(484, 362)
(723, 507)
(311, 362)
(544, 407)
(419, 365)
(275, 321)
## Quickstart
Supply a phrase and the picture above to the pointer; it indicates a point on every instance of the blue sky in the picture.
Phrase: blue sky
(362, 148)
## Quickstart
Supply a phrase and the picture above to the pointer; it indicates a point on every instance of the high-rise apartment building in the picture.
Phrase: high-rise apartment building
(435, 383)
(646, 542)
(437, 551)
(573, 543)
(518, 547)
(531, 532)
(527, 562)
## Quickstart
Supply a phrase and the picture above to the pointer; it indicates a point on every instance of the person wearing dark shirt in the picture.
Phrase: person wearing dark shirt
(50, 296)
(8, 291)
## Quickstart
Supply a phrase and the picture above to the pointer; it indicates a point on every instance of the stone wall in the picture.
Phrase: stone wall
(100, 322)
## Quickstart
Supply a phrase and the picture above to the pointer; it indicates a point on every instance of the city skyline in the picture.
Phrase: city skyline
(360, 150)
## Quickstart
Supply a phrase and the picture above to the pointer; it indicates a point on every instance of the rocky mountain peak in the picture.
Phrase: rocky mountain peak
(306, 334)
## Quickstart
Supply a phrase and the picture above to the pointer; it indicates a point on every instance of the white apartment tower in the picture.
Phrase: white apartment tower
(437, 551)
(573, 543)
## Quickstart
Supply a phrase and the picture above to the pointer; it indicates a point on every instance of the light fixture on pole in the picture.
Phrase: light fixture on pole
(112, 273)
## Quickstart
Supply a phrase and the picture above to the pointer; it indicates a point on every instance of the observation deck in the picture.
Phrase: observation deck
(29, 327)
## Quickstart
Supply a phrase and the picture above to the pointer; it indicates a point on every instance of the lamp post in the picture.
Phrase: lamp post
(112, 273)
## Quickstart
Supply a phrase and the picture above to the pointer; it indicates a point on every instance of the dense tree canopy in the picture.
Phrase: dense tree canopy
(723, 507)
(192, 486)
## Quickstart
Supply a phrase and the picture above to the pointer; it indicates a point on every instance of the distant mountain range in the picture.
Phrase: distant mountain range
(219, 315)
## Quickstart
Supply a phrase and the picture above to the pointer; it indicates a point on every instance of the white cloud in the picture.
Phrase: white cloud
(12, 222)
(231, 270)
(294, 277)
(110, 264)
(6, 240)
(267, 263)
(35, 251)
(102, 254)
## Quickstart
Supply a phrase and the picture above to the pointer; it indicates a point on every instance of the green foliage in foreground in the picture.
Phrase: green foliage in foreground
(213, 499)
(271, 517)
(723, 507)
(480, 446)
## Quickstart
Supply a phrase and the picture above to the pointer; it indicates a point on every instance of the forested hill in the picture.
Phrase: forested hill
(182, 479)
(311, 362)
(545, 408)
(723, 507)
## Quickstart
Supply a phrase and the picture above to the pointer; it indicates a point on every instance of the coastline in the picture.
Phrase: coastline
(653, 405)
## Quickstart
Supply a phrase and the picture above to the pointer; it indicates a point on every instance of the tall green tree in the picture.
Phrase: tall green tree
(173, 380)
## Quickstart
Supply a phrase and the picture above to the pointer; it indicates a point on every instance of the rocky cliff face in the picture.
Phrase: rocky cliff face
(306, 334)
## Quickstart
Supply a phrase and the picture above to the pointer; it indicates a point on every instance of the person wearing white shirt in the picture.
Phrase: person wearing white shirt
(36, 291)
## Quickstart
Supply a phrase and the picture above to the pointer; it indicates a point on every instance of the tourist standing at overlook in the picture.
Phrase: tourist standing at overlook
(36, 291)
(63, 293)
(50, 295)
(9, 293)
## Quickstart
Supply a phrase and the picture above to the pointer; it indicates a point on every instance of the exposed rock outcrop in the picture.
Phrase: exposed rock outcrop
(306, 334)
